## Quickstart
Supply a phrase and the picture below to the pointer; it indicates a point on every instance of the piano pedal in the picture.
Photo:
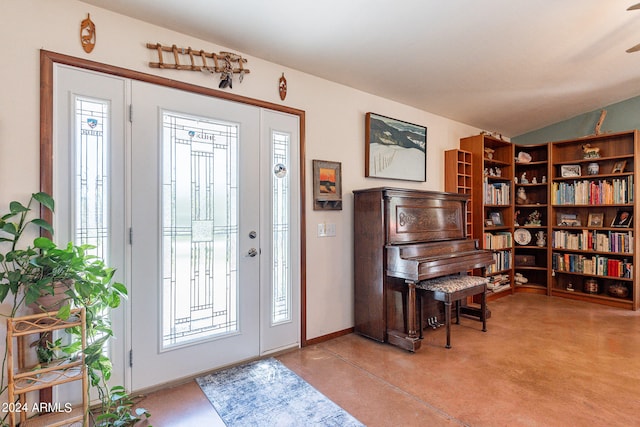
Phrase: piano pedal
(433, 323)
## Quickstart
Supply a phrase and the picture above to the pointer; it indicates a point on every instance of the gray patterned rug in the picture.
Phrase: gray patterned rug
(265, 393)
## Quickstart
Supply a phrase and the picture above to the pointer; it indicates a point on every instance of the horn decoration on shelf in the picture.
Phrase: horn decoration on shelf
(225, 63)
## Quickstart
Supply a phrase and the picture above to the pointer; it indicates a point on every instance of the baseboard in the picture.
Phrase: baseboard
(328, 337)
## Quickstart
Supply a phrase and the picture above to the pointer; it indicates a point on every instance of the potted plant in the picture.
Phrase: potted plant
(41, 271)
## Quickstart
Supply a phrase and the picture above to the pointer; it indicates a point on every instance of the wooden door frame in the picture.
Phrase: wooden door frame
(48, 59)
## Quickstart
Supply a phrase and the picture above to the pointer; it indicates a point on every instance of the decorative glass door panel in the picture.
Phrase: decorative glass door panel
(199, 228)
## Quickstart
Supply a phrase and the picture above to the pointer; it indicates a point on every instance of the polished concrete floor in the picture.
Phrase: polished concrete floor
(543, 362)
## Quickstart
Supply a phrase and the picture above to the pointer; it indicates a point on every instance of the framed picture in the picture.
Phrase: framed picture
(618, 167)
(327, 185)
(569, 220)
(395, 149)
(622, 219)
(596, 219)
(496, 218)
(570, 170)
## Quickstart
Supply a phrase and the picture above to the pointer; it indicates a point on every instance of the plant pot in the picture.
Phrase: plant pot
(49, 302)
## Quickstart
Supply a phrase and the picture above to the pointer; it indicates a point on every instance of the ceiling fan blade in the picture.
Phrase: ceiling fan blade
(634, 7)
(633, 49)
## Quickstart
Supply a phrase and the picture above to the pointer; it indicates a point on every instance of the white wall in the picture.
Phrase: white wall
(334, 114)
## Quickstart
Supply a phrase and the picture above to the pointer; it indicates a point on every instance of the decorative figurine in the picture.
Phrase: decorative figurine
(534, 218)
(489, 152)
(544, 179)
(541, 239)
(523, 157)
(523, 178)
(590, 152)
(534, 180)
(521, 196)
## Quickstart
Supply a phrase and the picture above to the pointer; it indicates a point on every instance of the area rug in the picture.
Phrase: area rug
(266, 393)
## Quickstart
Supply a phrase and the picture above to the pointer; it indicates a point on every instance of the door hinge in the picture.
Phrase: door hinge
(131, 358)
(130, 236)
(130, 113)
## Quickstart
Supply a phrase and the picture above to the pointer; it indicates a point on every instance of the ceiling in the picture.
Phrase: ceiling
(506, 66)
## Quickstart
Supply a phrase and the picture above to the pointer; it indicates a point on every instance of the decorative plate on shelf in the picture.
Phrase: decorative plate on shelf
(522, 236)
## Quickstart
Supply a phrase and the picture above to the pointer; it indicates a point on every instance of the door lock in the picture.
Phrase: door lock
(252, 252)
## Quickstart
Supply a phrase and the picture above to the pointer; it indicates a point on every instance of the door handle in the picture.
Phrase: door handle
(252, 252)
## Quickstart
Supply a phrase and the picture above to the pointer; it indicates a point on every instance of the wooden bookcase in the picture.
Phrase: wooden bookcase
(492, 193)
(590, 256)
(531, 218)
(458, 179)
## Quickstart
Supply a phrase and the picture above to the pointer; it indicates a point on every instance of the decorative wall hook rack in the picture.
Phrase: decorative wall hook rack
(225, 63)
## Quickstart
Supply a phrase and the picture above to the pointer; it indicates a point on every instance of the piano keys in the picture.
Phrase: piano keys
(400, 238)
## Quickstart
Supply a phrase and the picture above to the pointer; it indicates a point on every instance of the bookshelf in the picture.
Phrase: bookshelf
(492, 193)
(531, 218)
(592, 224)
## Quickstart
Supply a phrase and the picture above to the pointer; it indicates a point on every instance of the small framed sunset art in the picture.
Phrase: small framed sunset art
(327, 185)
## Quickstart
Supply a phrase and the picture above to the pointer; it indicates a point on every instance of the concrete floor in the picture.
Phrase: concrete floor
(543, 362)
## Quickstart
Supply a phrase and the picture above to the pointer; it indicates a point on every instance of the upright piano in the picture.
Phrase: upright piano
(402, 237)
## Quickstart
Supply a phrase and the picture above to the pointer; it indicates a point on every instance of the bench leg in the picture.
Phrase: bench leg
(447, 321)
(420, 313)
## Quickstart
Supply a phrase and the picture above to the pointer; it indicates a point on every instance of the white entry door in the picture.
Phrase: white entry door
(196, 202)
(195, 233)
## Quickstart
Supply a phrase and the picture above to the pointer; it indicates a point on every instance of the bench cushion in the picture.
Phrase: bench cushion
(451, 284)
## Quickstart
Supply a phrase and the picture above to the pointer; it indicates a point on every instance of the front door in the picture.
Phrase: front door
(196, 202)
(195, 233)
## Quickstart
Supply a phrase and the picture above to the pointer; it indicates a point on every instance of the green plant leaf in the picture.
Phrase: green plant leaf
(64, 312)
(10, 228)
(43, 243)
(122, 289)
(17, 207)
(45, 200)
(4, 291)
(43, 224)
(32, 293)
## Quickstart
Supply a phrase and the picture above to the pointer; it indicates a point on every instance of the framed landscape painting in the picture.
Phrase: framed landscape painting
(395, 149)
(327, 185)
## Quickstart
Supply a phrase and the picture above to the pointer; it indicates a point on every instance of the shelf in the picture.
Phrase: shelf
(591, 252)
(24, 379)
(532, 197)
(622, 279)
(597, 298)
(531, 268)
(492, 193)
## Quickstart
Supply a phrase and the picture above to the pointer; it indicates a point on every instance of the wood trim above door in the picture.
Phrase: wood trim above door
(48, 58)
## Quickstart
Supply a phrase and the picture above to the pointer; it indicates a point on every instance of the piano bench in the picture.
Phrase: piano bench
(450, 289)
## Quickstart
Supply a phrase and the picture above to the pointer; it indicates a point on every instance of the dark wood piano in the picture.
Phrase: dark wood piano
(400, 238)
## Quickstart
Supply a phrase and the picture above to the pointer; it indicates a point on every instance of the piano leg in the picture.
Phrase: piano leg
(411, 310)
(410, 340)
(483, 307)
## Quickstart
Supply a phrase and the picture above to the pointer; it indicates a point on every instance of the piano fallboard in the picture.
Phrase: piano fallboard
(421, 261)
